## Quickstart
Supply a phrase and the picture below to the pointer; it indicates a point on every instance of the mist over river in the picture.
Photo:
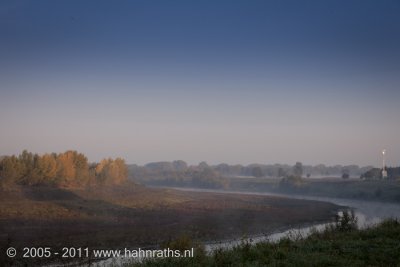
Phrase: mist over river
(368, 213)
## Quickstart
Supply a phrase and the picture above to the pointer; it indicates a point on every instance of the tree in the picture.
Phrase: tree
(291, 182)
(345, 174)
(208, 178)
(66, 171)
(27, 164)
(48, 168)
(374, 173)
(298, 169)
(11, 170)
(257, 172)
(33, 173)
(102, 172)
(180, 165)
(81, 168)
(203, 165)
(122, 171)
(110, 171)
(281, 173)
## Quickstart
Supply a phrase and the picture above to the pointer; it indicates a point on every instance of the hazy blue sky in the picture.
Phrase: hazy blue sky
(220, 81)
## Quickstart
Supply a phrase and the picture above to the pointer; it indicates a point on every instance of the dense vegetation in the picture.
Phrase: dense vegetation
(179, 172)
(68, 169)
(339, 245)
(376, 173)
(289, 180)
(372, 190)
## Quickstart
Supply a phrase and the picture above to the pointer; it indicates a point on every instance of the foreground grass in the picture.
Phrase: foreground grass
(377, 246)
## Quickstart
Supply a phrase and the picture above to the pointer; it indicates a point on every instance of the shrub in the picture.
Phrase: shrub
(347, 221)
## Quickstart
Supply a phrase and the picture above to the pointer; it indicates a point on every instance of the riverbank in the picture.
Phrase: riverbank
(387, 191)
(336, 246)
(368, 212)
(132, 216)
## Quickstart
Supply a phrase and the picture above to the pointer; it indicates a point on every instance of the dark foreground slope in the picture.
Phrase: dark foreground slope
(133, 216)
(377, 246)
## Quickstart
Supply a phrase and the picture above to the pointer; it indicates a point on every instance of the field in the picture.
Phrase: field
(135, 216)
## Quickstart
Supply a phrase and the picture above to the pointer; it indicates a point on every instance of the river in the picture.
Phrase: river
(368, 213)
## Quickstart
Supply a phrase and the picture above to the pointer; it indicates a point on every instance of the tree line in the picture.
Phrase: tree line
(178, 173)
(155, 170)
(68, 169)
(393, 173)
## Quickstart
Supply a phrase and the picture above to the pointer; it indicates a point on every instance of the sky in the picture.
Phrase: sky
(238, 82)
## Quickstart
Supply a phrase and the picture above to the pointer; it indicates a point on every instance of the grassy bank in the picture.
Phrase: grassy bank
(337, 246)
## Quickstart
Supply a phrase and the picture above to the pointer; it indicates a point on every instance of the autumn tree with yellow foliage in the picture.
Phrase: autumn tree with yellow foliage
(68, 169)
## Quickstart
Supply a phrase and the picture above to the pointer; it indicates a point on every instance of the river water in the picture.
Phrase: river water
(368, 213)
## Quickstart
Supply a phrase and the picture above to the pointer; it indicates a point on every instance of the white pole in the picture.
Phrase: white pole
(384, 173)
